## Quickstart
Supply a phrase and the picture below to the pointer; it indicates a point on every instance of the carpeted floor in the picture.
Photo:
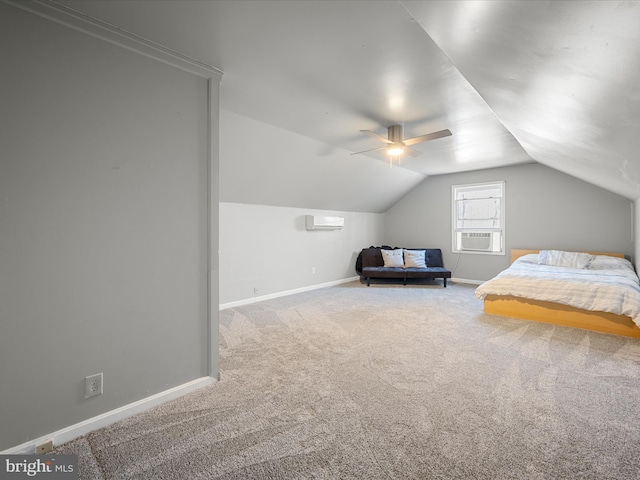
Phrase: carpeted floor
(389, 382)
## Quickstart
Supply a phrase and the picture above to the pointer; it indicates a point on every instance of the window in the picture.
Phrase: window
(478, 218)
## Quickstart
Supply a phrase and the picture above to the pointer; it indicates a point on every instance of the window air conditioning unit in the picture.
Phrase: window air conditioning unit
(315, 222)
(476, 242)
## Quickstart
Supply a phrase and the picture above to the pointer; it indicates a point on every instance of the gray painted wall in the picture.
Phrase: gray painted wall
(261, 164)
(636, 228)
(268, 248)
(545, 209)
(103, 226)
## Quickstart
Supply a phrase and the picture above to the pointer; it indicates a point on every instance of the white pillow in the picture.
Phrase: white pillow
(414, 259)
(392, 258)
(558, 258)
(605, 262)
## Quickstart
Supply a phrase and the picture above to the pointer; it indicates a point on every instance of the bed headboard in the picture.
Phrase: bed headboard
(517, 253)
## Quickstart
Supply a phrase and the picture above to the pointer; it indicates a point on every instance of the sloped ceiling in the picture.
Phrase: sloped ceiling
(562, 76)
(515, 81)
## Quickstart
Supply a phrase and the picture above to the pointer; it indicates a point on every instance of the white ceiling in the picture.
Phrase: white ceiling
(515, 81)
(562, 76)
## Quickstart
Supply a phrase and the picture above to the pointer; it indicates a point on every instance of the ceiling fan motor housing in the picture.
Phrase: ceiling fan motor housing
(395, 133)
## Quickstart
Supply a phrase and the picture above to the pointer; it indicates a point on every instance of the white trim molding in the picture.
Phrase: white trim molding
(467, 281)
(82, 428)
(285, 293)
(110, 33)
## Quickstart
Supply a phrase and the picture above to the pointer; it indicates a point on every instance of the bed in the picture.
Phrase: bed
(603, 295)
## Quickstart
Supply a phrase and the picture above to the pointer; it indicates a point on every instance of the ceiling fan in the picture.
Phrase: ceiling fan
(396, 146)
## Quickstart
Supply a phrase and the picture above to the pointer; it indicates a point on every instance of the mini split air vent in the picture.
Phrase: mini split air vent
(315, 222)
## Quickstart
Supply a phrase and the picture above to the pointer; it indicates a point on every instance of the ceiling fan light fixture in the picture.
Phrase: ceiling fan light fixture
(395, 150)
(397, 145)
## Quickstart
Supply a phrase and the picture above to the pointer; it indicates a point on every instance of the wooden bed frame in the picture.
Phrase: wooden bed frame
(548, 312)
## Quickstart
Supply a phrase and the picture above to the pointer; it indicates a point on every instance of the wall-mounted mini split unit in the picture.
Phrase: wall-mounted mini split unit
(316, 222)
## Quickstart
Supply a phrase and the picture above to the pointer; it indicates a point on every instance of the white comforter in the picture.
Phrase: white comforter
(608, 284)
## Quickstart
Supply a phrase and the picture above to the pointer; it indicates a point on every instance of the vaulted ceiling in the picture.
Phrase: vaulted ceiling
(554, 82)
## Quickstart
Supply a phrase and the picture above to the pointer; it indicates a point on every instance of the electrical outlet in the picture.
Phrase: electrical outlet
(255, 290)
(44, 447)
(93, 385)
(313, 270)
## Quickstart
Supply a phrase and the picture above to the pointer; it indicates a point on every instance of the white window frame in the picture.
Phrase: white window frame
(496, 232)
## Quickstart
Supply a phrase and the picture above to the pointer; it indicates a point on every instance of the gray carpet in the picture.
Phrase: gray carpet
(389, 382)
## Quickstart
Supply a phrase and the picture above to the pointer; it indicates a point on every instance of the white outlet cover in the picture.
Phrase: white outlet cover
(93, 385)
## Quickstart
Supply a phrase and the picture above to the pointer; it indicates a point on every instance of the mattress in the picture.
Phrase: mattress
(606, 284)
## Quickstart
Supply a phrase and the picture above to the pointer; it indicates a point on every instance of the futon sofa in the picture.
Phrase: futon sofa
(371, 264)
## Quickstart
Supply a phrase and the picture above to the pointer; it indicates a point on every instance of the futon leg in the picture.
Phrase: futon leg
(368, 281)
(444, 280)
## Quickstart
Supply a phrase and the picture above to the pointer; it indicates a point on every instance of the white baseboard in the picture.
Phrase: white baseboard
(262, 298)
(464, 280)
(74, 431)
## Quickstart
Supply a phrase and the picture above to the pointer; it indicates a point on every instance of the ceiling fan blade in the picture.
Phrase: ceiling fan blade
(412, 152)
(427, 137)
(376, 136)
(371, 150)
